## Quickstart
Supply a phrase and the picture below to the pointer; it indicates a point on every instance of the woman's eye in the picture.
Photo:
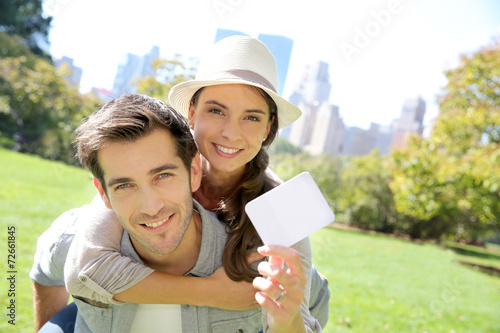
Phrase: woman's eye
(215, 111)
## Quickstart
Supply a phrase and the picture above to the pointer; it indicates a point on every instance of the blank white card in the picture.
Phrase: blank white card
(290, 212)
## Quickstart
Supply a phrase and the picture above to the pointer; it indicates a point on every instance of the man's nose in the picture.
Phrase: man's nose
(151, 202)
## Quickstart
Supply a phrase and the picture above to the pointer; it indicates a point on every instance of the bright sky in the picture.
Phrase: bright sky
(379, 51)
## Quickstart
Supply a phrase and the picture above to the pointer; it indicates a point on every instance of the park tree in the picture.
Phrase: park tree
(167, 74)
(325, 170)
(39, 109)
(365, 198)
(449, 184)
(281, 145)
(24, 18)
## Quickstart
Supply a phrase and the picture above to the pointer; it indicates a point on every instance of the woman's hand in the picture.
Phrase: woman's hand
(281, 293)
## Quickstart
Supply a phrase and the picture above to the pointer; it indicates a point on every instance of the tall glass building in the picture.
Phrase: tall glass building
(132, 68)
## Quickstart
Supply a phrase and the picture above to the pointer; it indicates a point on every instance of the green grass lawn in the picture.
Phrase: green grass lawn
(378, 283)
(33, 193)
(383, 284)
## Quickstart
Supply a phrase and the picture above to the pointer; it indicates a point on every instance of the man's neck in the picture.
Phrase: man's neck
(184, 258)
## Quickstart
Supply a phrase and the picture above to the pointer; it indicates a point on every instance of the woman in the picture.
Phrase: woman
(234, 113)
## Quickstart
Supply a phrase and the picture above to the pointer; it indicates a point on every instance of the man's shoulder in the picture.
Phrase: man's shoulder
(212, 243)
(53, 246)
(67, 223)
(210, 219)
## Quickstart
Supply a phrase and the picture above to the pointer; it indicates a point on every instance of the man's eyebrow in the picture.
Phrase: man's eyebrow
(161, 168)
(168, 166)
(112, 182)
(225, 107)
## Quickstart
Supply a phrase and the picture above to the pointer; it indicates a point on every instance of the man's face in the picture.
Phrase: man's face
(149, 189)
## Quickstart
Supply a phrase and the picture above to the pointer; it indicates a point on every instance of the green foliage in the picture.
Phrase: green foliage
(445, 186)
(39, 109)
(475, 82)
(24, 18)
(325, 170)
(423, 198)
(167, 74)
(12, 46)
(366, 199)
(357, 189)
(281, 145)
(449, 184)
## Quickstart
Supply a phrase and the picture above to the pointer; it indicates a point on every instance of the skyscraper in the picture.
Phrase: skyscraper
(314, 85)
(410, 122)
(354, 142)
(133, 68)
(380, 137)
(358, 142)
(326, 134)
(320, 128)
(299, 132)
(75, 75)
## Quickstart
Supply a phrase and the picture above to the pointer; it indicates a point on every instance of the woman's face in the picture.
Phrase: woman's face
(230, 122)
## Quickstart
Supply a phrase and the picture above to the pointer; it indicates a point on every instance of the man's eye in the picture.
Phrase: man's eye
(164, 175)
(122, 186)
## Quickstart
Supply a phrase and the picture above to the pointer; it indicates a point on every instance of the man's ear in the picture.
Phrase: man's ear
(103, 195)
(196, 173)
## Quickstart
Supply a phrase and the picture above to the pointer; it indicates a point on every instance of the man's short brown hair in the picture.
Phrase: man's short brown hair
(129, 118)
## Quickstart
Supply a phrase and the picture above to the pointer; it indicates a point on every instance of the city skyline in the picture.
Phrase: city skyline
(379, 52)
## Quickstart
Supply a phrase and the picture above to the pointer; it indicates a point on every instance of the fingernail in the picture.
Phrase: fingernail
(259, 297)
(263, 249)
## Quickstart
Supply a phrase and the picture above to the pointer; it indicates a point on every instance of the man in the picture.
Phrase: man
(146, 166)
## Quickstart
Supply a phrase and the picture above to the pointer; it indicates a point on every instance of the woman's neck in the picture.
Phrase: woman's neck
(215, 186)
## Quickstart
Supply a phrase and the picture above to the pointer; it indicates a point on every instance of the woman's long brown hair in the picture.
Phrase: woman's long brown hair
(241, 234)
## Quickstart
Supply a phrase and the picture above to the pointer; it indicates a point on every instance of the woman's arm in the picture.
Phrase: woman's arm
(216, 290)
(95, 269)
(316, 292)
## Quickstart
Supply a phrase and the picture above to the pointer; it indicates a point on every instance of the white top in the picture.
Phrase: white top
(157, 318)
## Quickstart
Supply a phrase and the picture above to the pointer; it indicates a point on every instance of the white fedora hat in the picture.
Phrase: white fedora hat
(236, 60)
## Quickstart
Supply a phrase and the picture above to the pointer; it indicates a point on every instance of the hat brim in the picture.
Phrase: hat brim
(181, 94)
